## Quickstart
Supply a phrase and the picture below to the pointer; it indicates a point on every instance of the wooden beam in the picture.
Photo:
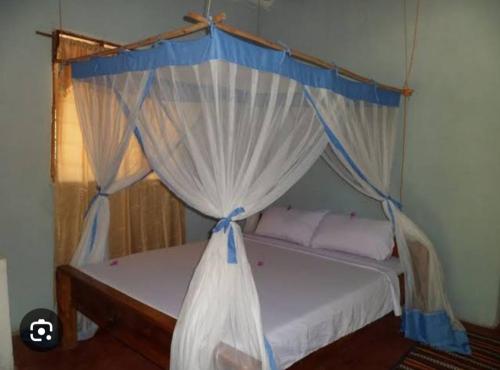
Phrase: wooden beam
(198, 18)
(200, 23)
(307, 58)
(63, 33)
(41, 33)
(66, 310)
(180, 32)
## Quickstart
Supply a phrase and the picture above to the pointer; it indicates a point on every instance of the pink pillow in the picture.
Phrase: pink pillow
(359, 236)
(293, 225)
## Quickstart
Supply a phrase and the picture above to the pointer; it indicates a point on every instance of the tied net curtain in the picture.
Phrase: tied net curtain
(142, 217)
(229, 127)
(362, 139)
(107, 109)
(229, 141)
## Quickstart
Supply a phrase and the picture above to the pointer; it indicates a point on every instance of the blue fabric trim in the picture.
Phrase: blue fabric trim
(219, 45)
(225, 225)
(393, 219)
(333, 139)
(93, 233)
(126, 109)
(434, 329)
(137, 132)
(94, 198)
(138, 136)
(270, 354)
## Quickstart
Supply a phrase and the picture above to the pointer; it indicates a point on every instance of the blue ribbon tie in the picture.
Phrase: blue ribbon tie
(270, 355)
(94, 198)
(395, 202)
(224, 224)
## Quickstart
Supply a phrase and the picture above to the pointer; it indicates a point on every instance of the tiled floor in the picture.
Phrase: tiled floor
(377, 348)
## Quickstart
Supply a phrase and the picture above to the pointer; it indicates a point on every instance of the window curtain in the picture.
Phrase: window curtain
(362, 139)
(144, 216)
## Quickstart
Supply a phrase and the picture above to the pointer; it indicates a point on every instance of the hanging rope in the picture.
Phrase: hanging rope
(408, 69)
(259, 6)
(208, 6)
(409, 64)
(60, 15)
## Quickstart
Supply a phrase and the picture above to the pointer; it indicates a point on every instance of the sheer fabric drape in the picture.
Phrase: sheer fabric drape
(108, 111)
(229, 127)
(362, 139)
(228, 140)
(142, 217)
(107, 127)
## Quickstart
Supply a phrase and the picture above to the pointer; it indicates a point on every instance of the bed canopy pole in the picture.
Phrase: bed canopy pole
(201, 23)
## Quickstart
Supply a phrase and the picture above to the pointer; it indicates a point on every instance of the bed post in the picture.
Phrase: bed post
(66, 309)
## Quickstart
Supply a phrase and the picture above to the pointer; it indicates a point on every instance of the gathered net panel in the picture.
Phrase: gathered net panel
(223, 136)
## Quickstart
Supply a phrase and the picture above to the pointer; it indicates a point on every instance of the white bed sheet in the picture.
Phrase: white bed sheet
(309, 298)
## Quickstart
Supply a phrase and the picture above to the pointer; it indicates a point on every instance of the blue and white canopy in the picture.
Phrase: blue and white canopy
(229, 127)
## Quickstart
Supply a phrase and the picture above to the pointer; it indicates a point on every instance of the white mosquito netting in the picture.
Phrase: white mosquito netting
(229, 127)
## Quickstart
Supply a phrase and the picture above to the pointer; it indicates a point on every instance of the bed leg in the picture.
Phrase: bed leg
(66, 310)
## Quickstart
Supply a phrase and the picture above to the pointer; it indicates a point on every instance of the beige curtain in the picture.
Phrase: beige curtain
(144, 216)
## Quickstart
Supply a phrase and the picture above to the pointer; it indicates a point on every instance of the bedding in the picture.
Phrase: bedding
(355, 235)
(309, 298)
(290, 224)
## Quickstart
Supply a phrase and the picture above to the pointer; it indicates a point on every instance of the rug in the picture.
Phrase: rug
(485, 356)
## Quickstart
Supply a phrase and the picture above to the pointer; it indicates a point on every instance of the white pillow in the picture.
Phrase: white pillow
(360, 236)
(293, 225)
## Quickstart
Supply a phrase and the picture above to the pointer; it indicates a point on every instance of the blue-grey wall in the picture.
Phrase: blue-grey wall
(452, 165)
(26, 228)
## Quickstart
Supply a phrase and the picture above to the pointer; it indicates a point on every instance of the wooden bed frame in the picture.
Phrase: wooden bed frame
(143, 328)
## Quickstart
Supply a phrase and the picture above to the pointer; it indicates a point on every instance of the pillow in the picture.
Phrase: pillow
(251, 223)
(360, 236)
(293, 225)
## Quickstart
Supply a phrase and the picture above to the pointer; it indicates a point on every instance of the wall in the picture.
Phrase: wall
(452, 164)
(26, 230)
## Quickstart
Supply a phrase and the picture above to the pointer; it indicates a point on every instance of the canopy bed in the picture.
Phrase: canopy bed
(229, 122)
(308, 300)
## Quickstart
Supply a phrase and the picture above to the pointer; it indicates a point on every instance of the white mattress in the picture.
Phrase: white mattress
(309, 298)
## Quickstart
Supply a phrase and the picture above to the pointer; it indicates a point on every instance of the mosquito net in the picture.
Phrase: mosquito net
(229, 127)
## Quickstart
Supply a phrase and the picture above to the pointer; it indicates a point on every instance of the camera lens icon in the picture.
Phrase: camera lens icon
(40, 330)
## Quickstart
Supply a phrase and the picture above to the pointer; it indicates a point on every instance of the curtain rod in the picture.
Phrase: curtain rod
(180, 32)
(201, 23)
(77, 35)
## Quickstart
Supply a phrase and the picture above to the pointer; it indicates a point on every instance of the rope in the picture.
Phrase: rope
(408, 69)
(208, 8)
(259, 5)
(403, 150)
(60, 14)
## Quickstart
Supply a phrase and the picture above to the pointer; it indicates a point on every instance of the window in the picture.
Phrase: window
(143, 216)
